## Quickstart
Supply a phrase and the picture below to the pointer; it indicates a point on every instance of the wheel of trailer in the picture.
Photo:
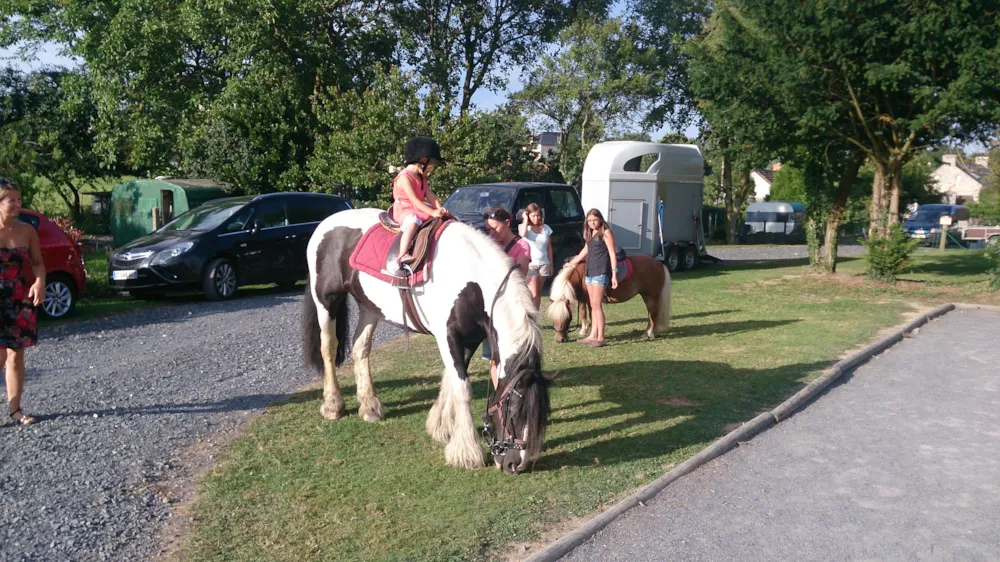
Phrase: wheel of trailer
(994, 240)
(673, 260)
(690, 258)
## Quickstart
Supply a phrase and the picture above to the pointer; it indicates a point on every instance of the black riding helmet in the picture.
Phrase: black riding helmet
(421, 147)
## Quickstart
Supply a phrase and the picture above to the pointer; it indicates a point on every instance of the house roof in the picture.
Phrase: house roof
(768, 175)
(975, 171)
(547, 138)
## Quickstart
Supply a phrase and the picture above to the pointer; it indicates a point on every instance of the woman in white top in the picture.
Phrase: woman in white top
(539, 237)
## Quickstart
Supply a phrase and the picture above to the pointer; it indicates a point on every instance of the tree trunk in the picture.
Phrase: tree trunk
(875, 229)
(813, 242)
(732, 212)
(895, 185)
(835, 215)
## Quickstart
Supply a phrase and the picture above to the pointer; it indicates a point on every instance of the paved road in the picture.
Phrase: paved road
(747, 254)
(123, 403)
(899, 462)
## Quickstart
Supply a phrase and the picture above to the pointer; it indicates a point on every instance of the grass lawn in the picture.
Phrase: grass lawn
(744, 338)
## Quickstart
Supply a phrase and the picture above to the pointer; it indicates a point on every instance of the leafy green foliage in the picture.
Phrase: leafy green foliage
(46, 138)
(993, 256)
(889, 256)
(789, 185)
(589, 87)
(363, 146)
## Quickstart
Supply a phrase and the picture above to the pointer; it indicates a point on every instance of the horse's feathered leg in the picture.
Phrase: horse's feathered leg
(333, 399)
(583, 308)
(652, 308)
(371, 408)
(463, 448)
(442, 416)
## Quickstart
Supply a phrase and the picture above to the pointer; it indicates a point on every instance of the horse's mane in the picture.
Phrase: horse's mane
(516, 298)
(563, 296)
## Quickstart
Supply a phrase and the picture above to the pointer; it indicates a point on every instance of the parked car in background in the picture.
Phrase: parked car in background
(224, 244)
(563, 212)
(65, 275)
(925, 222)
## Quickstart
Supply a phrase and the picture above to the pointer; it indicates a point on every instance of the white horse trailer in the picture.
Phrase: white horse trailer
(651, 195)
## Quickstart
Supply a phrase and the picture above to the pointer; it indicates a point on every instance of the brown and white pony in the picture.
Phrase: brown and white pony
(466, 277)
(649, 278)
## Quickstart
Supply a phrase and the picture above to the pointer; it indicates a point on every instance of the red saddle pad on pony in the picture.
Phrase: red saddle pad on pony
(376, 254)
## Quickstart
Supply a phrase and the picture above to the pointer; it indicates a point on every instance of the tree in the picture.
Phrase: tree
(741, 119)
(789, 185)
(46, 128)
(594, 83)
(460, 46)
(365, 133)
(887, 78)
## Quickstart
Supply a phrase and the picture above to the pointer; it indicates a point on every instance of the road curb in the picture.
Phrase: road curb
(745, 432)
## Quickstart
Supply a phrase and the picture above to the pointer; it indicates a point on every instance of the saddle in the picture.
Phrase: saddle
(419, 247)
(377, 252)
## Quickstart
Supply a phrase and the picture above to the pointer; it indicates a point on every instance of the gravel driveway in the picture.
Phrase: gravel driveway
(122, 402)
(745, 254)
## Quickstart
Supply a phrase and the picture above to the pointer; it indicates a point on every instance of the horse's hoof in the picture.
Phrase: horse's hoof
(370, 416)
(463, 457)
(332, 413)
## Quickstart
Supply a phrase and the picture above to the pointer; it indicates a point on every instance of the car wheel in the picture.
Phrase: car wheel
(690, 258)
(60, 297)
(219, 282)
(673, 260)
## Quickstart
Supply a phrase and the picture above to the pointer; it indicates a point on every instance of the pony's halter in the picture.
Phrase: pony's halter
(501, 407)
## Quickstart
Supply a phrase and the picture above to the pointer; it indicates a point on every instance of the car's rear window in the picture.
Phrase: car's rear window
(469, 201)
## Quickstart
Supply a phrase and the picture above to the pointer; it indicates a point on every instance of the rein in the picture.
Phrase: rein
(502, 405)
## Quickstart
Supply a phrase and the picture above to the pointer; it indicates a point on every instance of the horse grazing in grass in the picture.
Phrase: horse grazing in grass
(647, 277)
(468, 287)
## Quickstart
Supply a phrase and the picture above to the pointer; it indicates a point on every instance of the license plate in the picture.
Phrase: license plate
(124, 274)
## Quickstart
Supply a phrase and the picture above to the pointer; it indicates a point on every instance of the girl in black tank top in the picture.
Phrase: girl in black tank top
(601, 271)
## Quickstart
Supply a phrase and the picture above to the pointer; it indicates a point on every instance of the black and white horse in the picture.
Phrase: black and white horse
(467, 280)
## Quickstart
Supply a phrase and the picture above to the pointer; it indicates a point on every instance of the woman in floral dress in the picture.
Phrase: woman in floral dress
(19, 250)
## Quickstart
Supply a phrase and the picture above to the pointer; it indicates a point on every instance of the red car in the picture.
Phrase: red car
(65, 275)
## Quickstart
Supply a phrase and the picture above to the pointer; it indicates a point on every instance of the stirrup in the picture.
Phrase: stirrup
(401, 276)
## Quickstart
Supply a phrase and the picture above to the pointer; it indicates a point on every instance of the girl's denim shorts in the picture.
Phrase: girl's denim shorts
(598, 280)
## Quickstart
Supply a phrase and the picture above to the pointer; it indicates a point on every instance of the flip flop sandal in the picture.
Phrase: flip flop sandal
(25, 419)
(597, 344)
(586, 340)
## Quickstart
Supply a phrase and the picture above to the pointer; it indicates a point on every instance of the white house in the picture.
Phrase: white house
(545, 144)
(762, 180)
(960, 182)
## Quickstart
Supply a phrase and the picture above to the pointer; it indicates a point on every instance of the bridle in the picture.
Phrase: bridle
(501, 407)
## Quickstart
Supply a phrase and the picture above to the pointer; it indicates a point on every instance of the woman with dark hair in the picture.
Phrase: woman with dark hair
(602, 271)
(19, 249)
(498, 229)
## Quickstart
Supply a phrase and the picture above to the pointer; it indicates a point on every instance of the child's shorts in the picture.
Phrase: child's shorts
(412, 217)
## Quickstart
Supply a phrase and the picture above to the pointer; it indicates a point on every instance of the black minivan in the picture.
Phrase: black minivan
(223, 244)
(560, 202)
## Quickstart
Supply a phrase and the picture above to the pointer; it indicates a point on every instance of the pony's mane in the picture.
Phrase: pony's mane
(563, 296)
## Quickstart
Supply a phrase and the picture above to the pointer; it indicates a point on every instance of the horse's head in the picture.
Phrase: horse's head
(517, 412)
(563, 296)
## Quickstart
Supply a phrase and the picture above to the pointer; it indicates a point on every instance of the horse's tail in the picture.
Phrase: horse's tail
(663, 311)
(310, 331)
(311, 341)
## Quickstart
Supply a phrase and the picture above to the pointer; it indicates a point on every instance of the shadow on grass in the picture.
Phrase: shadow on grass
(950, 263)
(696, 400)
